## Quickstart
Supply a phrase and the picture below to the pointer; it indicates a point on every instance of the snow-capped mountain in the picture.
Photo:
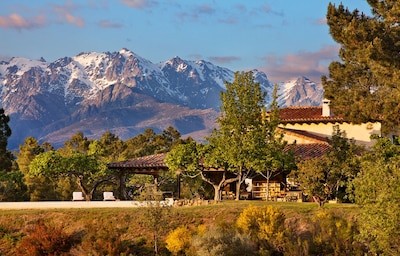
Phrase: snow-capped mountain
(117, 91)
(300, 91)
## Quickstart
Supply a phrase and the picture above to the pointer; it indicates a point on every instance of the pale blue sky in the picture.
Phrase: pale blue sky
(284, 38)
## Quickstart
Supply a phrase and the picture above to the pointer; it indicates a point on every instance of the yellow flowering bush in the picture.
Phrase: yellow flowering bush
(264, 225)
(179, 240)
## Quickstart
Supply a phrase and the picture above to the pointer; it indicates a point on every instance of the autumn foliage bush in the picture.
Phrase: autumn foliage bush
(104, 238)
(45, 239)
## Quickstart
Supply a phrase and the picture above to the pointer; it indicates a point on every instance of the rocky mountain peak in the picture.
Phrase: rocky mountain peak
(300, 91)
(121, 92)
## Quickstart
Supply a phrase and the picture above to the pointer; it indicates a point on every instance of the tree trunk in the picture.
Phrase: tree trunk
(239, 183)
(86, 193)
(319, 201)
(217, 196)
(217, 186)
(156, 244)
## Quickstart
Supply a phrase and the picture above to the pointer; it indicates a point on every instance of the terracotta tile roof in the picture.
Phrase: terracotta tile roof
(152, 161)
(312, 150)
(306, 115)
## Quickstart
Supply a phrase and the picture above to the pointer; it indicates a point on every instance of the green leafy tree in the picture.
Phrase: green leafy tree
(87, 170)
(156, 220)
(241, 113)
(377, 190)
(321, 178)
(272, 155)
(246, 141)
(195, 159)
(6, 157)
(364, 85)
(12, 186)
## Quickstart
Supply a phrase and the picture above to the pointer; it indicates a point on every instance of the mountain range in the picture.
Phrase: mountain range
(123, 93)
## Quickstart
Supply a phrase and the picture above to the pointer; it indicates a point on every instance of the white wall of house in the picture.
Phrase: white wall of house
(359, 132)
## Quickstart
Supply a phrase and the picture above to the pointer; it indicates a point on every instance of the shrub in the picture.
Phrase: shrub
(179, 240)
(104, 238)
(265, 225)
(333, 235)
(42, 239)
(217, 242)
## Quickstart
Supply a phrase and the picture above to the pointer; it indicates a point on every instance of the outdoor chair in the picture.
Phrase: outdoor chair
(108, 196)
(77, 196)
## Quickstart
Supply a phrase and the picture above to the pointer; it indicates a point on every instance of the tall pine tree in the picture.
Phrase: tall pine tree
(6, 157)
(365, 84)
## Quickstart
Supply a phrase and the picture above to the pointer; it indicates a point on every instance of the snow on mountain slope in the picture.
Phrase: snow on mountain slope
(43, 98)
(300, 92)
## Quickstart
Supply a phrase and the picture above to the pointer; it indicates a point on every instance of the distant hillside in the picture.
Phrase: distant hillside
(123, 93)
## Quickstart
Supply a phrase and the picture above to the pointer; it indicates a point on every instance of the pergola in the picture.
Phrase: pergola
(154, 165)
(149, 165)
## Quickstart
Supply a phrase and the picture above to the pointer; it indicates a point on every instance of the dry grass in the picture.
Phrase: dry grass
(124, 227)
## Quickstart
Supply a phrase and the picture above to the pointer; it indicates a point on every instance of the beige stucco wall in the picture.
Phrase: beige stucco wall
(359, 132)
(291, 138)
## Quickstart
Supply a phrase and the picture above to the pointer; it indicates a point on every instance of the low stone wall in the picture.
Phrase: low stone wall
(192, 202)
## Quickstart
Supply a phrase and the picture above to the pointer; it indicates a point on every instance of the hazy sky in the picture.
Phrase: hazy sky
(284, 38)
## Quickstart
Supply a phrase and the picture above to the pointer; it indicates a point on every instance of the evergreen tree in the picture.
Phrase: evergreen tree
(6, 157)
(39, 187)
(110, 147)
(27, 152)
(364, 85)
(11, 180)
(77, 143)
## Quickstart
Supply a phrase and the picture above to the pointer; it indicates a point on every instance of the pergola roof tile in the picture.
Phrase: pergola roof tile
(152, 161)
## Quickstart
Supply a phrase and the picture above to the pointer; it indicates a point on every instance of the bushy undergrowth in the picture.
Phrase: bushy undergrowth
(45, 239)
(222, 229)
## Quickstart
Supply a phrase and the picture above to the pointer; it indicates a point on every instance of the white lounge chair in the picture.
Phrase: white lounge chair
(77, 196)
(108, 196)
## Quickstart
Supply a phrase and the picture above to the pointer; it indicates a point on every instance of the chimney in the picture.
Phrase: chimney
(326, 109)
